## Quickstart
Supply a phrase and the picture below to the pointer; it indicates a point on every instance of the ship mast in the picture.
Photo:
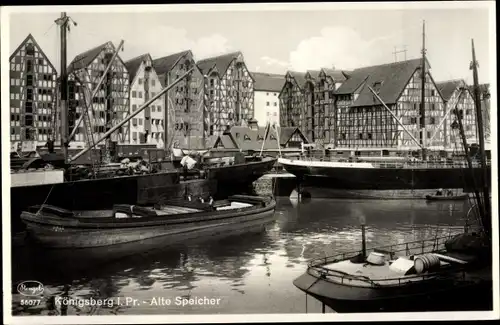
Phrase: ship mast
(479, 116)
(64, 87)
(63, 25)
(477, 196)
(422, 102)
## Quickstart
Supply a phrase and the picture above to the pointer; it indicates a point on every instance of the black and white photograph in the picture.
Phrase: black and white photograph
(249, 162)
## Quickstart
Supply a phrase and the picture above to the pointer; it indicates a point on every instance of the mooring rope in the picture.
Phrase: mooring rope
(45, 201)
(317, 279)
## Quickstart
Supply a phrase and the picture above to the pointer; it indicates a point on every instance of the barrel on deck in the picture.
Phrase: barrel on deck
(426, 262)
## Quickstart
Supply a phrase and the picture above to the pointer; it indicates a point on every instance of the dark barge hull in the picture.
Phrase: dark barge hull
(387, 178)
(98, 194)
(239, 178)
(433, 296)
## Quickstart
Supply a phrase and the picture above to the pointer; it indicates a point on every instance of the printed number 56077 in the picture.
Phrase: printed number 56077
(30, 302)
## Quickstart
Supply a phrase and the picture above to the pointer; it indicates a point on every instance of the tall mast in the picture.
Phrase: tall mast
(479, 117)
(422, 102)
(64, 87)
(467, 155)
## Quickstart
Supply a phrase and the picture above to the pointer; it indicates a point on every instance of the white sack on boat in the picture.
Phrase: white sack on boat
(188, 161)
(402, 265)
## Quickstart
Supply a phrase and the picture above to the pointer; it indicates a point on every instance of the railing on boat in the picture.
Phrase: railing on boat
(394, 164)
(408, 248)
(425, 165)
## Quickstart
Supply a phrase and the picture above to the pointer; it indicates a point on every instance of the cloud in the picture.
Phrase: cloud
(336, 46)
(210, 46)
(157, 40)
(164, 40)
(339, 47)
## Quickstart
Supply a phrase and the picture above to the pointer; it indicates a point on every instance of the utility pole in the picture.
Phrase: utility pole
(479, 117)
(422, 103)
(63, 21)
(396, 52)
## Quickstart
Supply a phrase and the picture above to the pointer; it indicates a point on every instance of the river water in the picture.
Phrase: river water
(247, 273)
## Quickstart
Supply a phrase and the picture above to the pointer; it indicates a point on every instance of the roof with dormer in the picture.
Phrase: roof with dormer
(165, 64)
(390, 80)
(134, 64)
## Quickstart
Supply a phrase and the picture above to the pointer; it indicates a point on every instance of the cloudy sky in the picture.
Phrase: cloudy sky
(279, 39)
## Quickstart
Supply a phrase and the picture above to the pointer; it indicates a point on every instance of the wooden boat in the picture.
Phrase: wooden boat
(30, 255)
(412, 276)
(446, 197)
(59, 228)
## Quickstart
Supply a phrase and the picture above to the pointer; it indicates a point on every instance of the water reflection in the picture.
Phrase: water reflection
(249, 272)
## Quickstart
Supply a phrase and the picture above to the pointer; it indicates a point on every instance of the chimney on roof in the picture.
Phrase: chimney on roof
(252, 124)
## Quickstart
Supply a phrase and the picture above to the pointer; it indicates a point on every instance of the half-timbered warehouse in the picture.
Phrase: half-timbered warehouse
(184, 103)
(320, 104)
(32, 94)
(484, 97)
(308, 101)
(292, 103)
(148, 125)
(456, 95)
(228, 93)
(111, 103)
(363, 121)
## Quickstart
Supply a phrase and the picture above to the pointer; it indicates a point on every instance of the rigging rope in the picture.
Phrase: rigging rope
(469, 199)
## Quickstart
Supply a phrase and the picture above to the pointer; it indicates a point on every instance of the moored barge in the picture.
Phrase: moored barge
(54, 227)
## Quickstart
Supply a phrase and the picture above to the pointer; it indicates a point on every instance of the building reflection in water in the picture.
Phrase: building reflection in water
(251, 272)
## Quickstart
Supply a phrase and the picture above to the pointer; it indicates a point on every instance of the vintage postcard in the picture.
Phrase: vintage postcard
(249, 162)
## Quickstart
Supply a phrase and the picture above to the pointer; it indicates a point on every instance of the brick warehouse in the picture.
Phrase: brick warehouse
(32, 94)
(307, 100)
(148, 126)
(111, 103)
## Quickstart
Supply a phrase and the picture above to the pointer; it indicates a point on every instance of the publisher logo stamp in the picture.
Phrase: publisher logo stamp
(30, 288)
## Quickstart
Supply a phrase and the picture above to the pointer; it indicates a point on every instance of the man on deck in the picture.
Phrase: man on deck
(50, 145)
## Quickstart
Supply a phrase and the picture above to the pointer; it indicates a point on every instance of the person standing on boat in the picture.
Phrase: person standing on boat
(439, 192)
(50, 145)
